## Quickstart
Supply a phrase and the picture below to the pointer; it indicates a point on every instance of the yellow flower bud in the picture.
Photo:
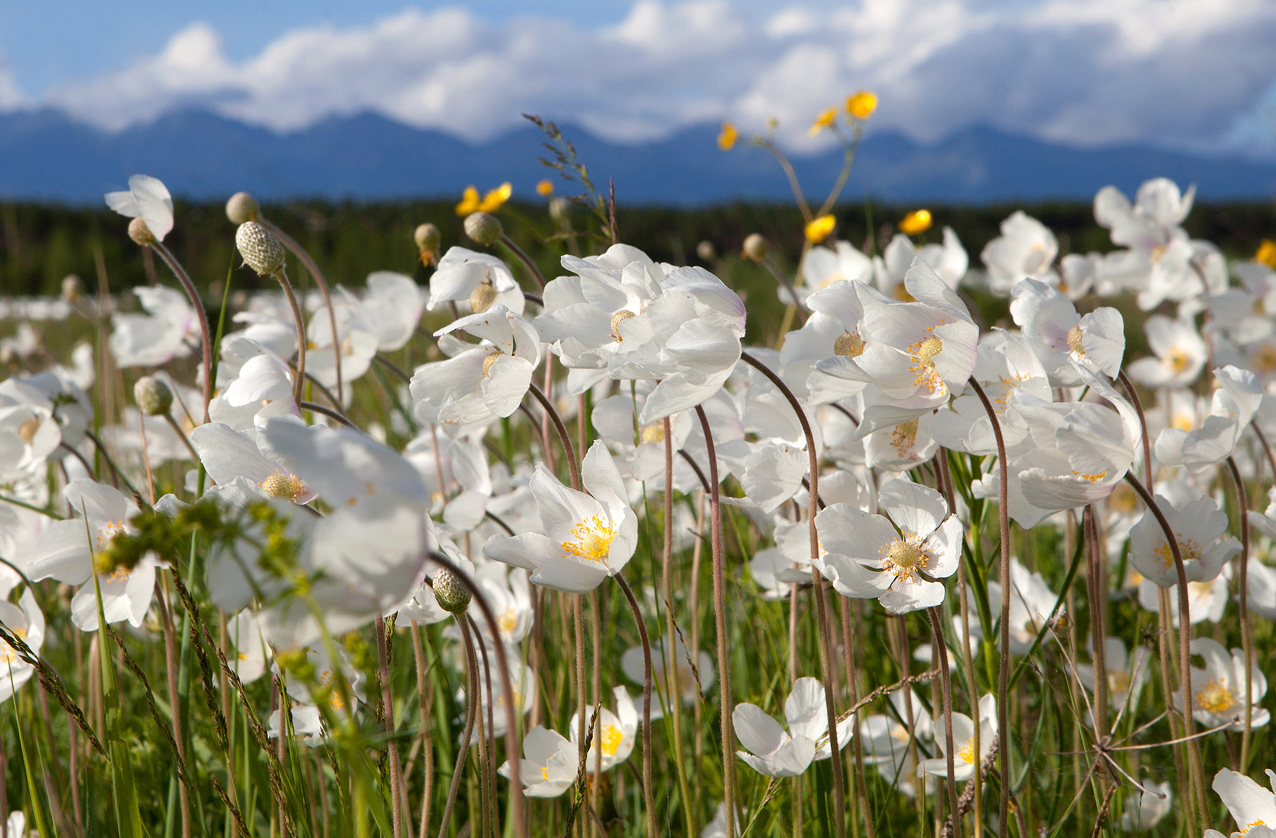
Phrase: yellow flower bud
(824, 120)
(917, 221)
(1267, 253)
(862, 104)
(726, 140)
(818, 230)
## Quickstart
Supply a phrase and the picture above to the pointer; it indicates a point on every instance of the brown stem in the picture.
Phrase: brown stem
(1247, 643)
(573, 464)
(524, 258)
(471, 713)
(392, 744)
(299, 382)
(1003, 666)
(197, 304)
(946, 685)
(1148, 474)
(648, 799)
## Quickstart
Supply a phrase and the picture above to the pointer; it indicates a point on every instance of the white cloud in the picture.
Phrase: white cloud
(11, 96)
(1082, 71)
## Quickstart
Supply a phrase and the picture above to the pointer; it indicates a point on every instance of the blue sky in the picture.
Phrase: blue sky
(1192, 73)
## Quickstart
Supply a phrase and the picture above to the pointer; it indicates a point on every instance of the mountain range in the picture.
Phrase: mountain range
(46, 155)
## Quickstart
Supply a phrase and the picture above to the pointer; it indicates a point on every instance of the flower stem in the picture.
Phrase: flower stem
(673, 688)
(1003, 666)
(197, 304)
(472, 701)
(299, 382)
(572, 464)
(946, 684)
(392, 745)
(647, 797)
(1247, 643)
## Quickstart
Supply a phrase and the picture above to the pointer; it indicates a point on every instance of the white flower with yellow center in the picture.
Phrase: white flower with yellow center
(1025, 248)
(548, 767)
(1125, 674)
(1061, 337)
(868, 557)
(1180, 354)
(616, 734)
(586, 538)
(775, 752)
(824, 267)
(25, 621)
(1251, 806)
(227, 454)
(1218, 690)
(1198, 525)
(964, 761)
(1231, 409)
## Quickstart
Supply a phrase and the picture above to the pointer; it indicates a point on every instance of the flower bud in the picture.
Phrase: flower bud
(72, 288)
(428, 238)
(452, 594)
(140, 233)
(755, 247)
(242, 207)
(706, 251)
(482, 297)
(483, 227)
(153, 396)
(559, 208)
(261, 251)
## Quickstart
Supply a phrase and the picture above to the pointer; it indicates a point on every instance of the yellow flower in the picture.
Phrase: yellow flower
(917, 221)
(492, 200)
(861, 105)
(469, 201)
(1267, 253)
(824, 120)
(545, 188)
(819, 229)
(726, 140)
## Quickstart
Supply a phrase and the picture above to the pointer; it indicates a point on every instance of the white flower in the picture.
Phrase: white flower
(691, 681)
(1180, 354)
(393, 306)
(1125, 675)
(1197, 523)
(823, 267)
(832, 330)
(1025, 248)
(482, 381)
(25, 620)
(867, 557)
(1148, 808)
(778, 753)
(1233, 406)
(1218, 689)
(587, 537)
(160, 335)
(147, 198)
(460, 271)
(227, 454)
(1061, 337)
(948, 260)
(965, 760)
(616, 736)
(548, 767)
(1251, 806)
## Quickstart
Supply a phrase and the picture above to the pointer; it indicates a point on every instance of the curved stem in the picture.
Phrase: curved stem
(1247, 642)
(304, 258)
(1185, 641)
(513, 739)
(392, 745)
(299, 382)
(525, 259)
(848, 160)
(793, 180)
(813, 465)
(101, 449)
(1148, 474)
(720, 624)
(392, 367)
(704, 481)
(572, 464)
(471, 713)
(1267, 449)
(648, 799)
(205, 333)
(329, 412)
(487, 745)
(946, 685)
(1003, 666)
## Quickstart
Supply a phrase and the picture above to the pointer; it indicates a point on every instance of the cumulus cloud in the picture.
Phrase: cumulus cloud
(1080, 71)
(11, 96)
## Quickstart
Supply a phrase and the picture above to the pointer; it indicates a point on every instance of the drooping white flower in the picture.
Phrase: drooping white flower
(775, 752)
(587, 537)
(147, 198)
(461, 271)
(867, 556)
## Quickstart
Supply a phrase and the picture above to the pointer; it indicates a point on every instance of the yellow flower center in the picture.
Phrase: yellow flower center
(1264, 358)
(490, 360)
(1118, 681)
(544, 773)
(592, 539)
(655, 432)
(26, 431)
(967, 753)
(618, 318)
(507, 621)
(8, 654)
(1005, 387)
(1260, 822)
(1177, 360)
(1092, 478)
(904, 438)
(611, 739)
(1074, 340)
(849, 345)
(280, 485)
(1216, 698)
(1187, 547)
(904, 557)
(924, 352)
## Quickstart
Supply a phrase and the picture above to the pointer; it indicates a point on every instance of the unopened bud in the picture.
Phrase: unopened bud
(261, 251)
(242, 207)
(755, 247)
(558, 209)
(153, 396)
(483, 227)
(428, 238)
(140, 233)
(706, 251)
(452, 594)
(72, 288)
(482, 297)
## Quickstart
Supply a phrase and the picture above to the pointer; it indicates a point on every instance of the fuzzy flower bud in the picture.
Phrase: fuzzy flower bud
(153, 396)
(559, 209)
(483, 227)
(72, 288)
(242, 207)
(140, 233)
(706, 251)
(755, 247)
(261, 251)
(482, 297)
(452, 594)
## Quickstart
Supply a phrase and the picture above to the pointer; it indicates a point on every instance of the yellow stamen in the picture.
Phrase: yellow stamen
(618, 318)
(280, 485)
(1074, 340)
(593, 538)
(849, 345)
(1216, 697)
